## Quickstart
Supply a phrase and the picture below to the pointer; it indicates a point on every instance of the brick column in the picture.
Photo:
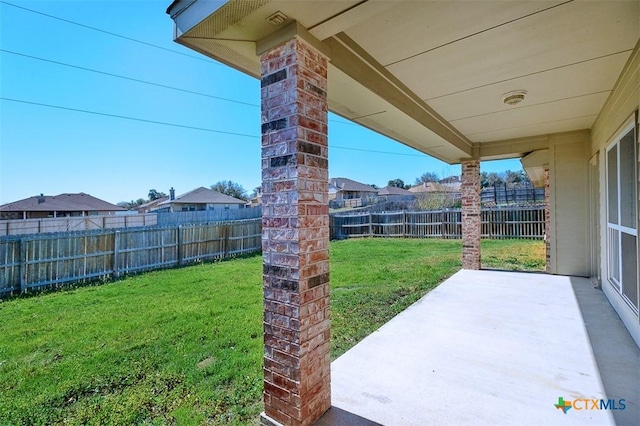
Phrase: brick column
(471, 225)
(295, 234)
(547, 222)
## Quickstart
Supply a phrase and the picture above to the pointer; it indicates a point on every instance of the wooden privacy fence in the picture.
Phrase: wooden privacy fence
(498, 223)
(215, 215)
(36, 261)
(70, 224)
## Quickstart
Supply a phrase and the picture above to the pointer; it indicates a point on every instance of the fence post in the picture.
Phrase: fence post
(370, 226)
(179, 244)
(23, 266)
(225, 240)
(116, 249)
(405, 226)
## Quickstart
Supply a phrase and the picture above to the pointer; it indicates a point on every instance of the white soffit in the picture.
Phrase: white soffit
(564, 35)
(515, 132)
(459, 57)
(581, 79)
(571, 108)
(567, 55)
(356, 103)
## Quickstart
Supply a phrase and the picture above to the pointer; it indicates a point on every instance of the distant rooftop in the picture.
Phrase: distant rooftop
(60, 203)
(203, 195)
(344, 184)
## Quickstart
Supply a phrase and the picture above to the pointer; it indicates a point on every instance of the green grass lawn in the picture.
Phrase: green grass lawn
(184, 346)
(513, 255)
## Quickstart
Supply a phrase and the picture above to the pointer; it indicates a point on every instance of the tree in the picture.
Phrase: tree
(374, 186)
(130, 205)
(426, 178)
(231, 189)
(490, 179)
(398, 183)
(515, 178)
(154, 195)
(437, 200)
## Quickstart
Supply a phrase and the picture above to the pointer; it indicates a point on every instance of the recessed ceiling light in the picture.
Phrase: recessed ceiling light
(277, 18)
(514, 98)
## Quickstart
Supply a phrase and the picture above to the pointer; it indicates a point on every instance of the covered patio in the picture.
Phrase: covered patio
(492, 347)
(555, 83)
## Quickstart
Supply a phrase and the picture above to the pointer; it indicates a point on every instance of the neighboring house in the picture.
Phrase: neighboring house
(347, 189)
(151, 205)
(200, 199)
(63, 205)
(451, 180)
(257, 200)
(393, 193)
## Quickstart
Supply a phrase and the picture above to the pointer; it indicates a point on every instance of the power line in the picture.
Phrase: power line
(130, 118)
(164, 123)
(177, 52)
(137, 80)
(136, 41)
(127, 78)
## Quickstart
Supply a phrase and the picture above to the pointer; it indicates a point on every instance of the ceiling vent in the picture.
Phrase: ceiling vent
(514, 98)
(277, 18)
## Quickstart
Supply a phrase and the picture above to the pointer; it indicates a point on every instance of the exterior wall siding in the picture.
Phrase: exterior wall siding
(568, 176)
(620, 109)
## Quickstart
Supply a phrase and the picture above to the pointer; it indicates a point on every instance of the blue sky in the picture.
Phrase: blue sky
(45, 149)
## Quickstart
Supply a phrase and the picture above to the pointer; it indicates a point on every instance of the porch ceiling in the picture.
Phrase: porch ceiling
(431, 74)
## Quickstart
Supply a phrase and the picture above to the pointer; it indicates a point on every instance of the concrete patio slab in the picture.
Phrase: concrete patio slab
(494, 348)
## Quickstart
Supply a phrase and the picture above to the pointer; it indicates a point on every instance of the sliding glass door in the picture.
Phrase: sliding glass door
(622, 219)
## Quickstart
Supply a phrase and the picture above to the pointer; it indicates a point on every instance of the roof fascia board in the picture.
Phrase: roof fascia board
(187, 14)
(351, 59)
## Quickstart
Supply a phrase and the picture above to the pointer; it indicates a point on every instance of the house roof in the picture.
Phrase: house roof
(450, 179)
(394, 190)
(152, 203)
(61, 203)
(204, 195)
(344, 184)
(435, 75)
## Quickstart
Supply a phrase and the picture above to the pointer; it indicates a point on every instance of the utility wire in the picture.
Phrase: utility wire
(137, 80)
(129, 118)
(128, 78)
(136, 41)
(163, 123)
(177, 52)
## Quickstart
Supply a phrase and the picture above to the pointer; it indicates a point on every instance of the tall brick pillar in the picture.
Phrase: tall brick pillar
(295, 234)
(547, 222)
(471, 225)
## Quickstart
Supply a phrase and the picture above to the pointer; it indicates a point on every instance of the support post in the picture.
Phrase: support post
(295, 229)
(471, 226)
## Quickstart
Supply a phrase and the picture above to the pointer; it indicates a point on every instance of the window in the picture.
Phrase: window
(622, 219)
